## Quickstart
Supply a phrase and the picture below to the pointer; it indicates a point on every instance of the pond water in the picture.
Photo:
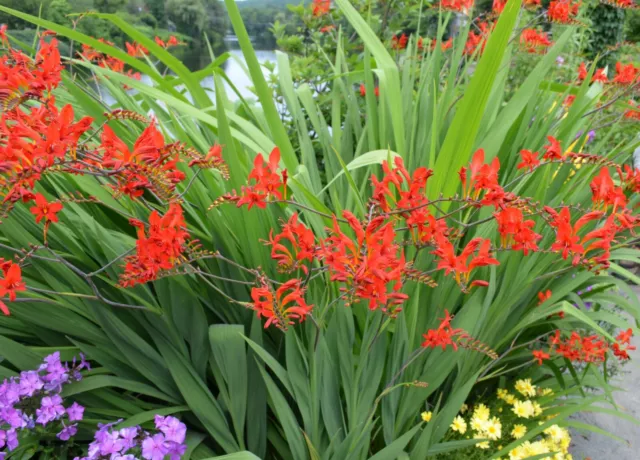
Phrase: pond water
(234, 67)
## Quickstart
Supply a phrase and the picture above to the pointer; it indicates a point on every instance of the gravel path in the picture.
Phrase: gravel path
(599, 447)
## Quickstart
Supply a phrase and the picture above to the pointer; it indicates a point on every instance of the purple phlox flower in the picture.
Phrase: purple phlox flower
(175, 450)
(12, 439)
(14, 417)
(9, 393)
(3, 438)
(128, 436)
(51, 409)
(173, 429)
(56, 372)
(75, 412)
(154, 447)
(30, 383)
(109, 442)
(559, 60)
(591, 135)
(67, 432)
(125, 457)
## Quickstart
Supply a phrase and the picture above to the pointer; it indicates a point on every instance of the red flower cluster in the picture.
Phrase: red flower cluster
(302, 242)
(605, 193)
(477, 40)
(600, 75)
(136, 50)
(150, 165)
(461, 265)
(282, 306)
(529, 160)
(363, 90)
(110, 62)
(371, 267)
(622, 346)
(171, 41)
(626, 74)
(443, 335)
(587, 349)
(158, 248)
(552, 151)
(540, 356)
(624, 4)
(484, 177)
(498, 6)
(10, 283)
(634, 112)
(515, 232)
(22, 79)
(404, 195)
(268, 183)
(543, 296)
(534, 42)
(434, 42)
(399, 43)
(320, 7)
(459, 6)
(563, 11)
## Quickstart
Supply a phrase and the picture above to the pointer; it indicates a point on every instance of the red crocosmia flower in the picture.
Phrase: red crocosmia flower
(529, 160)
(553, 151)
(477, 40)
(320, 7)
(600, 75)
(363, 90)
(624, 337)
(399, 43)
(149, 165)
(212, 160)
(479, 177)
(604, 191)
(543, 296)
(462, 265)
(282, 307)
(371, 266)
(588, 349)
(567, 238)
(625, 74)
(582, 71)
(326, 29)
(515, 231)
(498, 6)
(268, 182)
(540, 356)
(11, 283)
(300, 239)
(45, 210)
(633, 113)
(136, 49)
(534, 42)
(563, 11)
(159, 247)
(460, 6)
(48, 66)
(623, 346)
(3, 35)
(531, 4)
(405, 195)
(443, 335)
(569, 100)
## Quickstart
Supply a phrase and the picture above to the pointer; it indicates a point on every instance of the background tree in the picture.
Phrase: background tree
(607, 29)
(59, 11)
